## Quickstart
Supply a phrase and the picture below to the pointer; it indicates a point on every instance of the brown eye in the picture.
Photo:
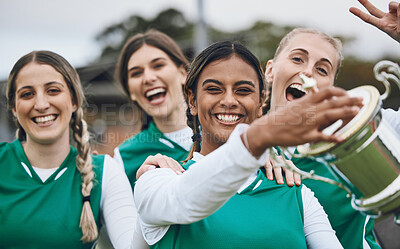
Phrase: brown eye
(159, 65)
(213, 89)
(54, 91)
(26, 95)
(244, 91)
(134, 74)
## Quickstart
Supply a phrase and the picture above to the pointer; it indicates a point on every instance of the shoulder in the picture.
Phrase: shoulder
(6, 148)
(140, 138)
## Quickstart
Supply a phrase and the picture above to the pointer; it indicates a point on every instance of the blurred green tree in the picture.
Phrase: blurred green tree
(262, 38)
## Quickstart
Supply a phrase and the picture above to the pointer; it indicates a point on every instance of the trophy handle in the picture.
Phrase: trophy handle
(304, 174)
(392, 73)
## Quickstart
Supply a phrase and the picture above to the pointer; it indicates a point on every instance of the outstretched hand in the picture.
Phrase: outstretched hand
(387, 22)
(302, 121)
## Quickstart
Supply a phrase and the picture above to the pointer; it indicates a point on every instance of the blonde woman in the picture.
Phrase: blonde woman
(316, 55)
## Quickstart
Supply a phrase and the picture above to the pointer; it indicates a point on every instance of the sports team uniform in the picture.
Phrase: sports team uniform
(37, 214)
(263, 204)
(133, 152)
(353, 229)
(225, 201)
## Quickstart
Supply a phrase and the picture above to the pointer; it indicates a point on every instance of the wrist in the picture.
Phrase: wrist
(257, 139)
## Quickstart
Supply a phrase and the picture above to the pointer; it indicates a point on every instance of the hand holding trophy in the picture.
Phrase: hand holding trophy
(368, 161)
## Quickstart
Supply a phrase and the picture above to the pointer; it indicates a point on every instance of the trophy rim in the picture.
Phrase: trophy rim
(352, 127)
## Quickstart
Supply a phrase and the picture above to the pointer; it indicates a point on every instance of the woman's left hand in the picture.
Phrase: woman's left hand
(291, 177)
(388, 22)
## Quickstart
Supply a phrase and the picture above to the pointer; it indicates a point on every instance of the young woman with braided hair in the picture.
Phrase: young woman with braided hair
(53, 194)
(224, 199)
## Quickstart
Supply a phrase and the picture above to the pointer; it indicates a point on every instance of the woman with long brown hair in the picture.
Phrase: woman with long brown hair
(52, 194)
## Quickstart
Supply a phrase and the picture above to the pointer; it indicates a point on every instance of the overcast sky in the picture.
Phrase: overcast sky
(69, 27)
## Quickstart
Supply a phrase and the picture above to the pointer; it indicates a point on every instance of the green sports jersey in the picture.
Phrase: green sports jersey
(264, 215)
(346, 221)
(149, 142)
(36, 214)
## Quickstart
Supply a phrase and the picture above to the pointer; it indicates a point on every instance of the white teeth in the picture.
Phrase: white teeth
(297, 86)
(228, 118)
(154, 92)
(45, 119)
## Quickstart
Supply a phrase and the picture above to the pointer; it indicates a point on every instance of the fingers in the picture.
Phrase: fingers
(292, 178)
(278, 170)
(327, 117)
(278, 175)
(269, 170)
(323, 94)
(297, 179)
(372, 9)
(293, 175)
(343, 107)
(394, 8)
(374, 18)
(289, 176)
(364, 16)
(387, 22)
(159, 161)
(168, 162)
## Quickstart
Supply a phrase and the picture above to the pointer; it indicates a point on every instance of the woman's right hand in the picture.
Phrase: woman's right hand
(302, 121)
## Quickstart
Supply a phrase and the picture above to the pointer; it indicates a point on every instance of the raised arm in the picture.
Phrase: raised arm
(387, 22)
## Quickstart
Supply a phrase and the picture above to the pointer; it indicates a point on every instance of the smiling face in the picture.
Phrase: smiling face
(155, 82)
(306, 53)
(228, 93)
(43, 103)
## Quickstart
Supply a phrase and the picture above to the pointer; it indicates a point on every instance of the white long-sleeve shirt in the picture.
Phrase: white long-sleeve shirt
(164, 198)
(393, 117)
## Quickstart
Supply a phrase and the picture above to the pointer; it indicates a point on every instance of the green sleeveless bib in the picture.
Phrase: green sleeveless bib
(264, 215)
(149, 142)
(36, 214)
(347, 222)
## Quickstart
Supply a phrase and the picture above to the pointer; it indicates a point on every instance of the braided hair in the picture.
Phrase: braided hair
(77, 124)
